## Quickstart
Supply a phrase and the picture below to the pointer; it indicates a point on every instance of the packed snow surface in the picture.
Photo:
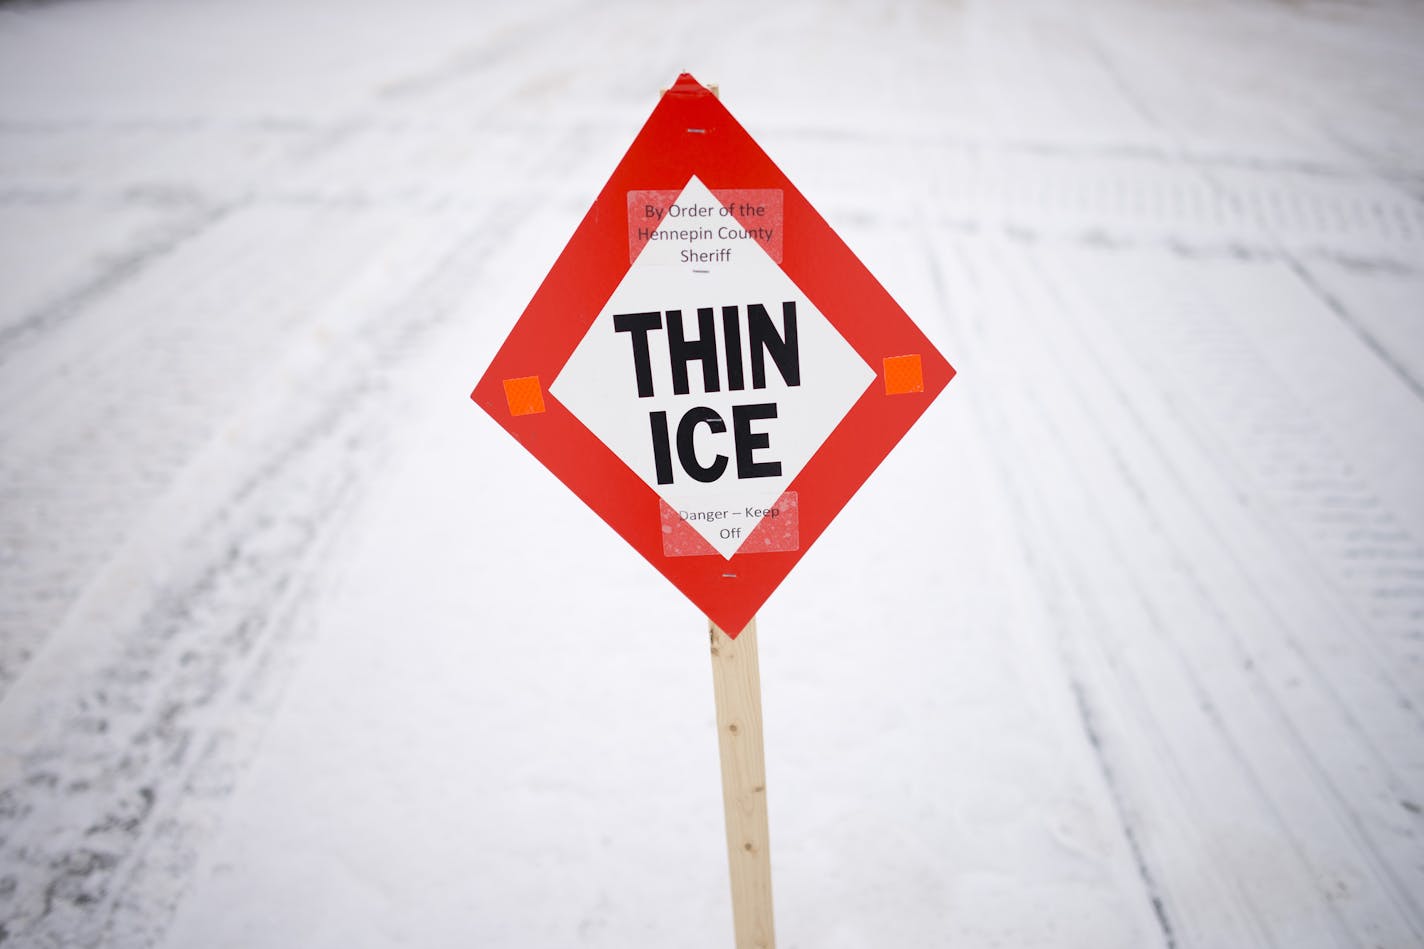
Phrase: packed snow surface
(1122, 647)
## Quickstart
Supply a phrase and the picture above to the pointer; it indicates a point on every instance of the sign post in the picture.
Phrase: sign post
(715, 374)
(736, 682)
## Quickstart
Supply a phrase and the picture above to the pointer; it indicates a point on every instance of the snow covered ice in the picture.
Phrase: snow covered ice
(1122, 647)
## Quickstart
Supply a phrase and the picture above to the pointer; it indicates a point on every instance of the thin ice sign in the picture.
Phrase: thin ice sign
(707, 365)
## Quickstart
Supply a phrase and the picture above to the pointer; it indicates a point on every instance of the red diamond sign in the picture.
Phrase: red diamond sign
(707, 365)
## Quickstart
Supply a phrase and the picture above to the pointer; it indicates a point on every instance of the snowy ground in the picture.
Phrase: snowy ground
(1124, 647)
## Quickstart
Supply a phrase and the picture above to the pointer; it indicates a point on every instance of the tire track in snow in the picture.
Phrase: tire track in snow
(1266, 444)
(104, 409)
(1227, 617)
(991, 426)
(14, 334)
(169, 711)
(125, 749)
(1144, 744)
(1277, 212)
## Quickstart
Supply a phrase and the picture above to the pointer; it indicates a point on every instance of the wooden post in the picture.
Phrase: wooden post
(736, 682)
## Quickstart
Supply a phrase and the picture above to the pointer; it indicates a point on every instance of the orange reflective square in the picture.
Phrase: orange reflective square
(903, 374)
(524, 395)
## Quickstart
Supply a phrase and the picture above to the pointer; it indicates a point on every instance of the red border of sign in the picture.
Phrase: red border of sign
(691, 132)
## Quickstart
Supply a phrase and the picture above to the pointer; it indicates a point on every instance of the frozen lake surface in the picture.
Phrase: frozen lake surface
(1122, 647)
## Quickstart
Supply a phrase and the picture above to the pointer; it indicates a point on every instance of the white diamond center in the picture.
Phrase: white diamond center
(718, 424)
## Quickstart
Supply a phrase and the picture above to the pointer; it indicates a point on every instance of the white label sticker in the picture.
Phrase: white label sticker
(760, 530)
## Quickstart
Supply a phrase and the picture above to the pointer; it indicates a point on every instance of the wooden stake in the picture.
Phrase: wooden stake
(736, 682)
